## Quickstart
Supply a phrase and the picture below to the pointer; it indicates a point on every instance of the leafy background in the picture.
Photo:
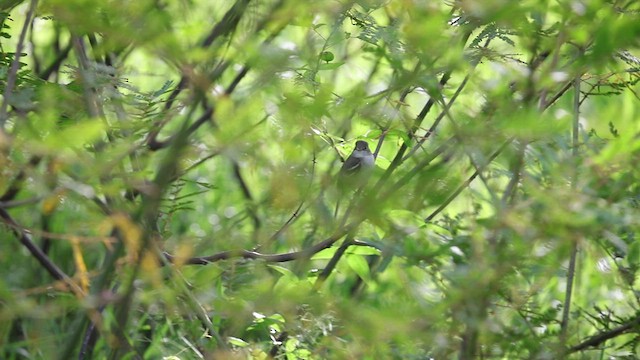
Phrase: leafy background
(168, 179)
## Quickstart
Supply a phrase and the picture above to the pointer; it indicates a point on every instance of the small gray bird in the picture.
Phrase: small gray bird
(360, 161)
(355, 171)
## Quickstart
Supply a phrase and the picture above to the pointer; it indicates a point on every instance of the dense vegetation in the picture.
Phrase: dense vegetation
(168, 179)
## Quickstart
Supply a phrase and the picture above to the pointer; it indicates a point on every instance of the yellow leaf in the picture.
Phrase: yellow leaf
(151, 269)
(50, 203)
(182, 254)
(81, 267)
(131, 234)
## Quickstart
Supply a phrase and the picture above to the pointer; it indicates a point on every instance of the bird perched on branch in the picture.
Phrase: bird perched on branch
(359, 162)
(356, 170)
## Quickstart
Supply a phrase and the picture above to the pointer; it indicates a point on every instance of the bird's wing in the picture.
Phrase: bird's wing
(351, 164)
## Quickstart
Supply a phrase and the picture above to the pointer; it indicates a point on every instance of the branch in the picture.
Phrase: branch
(301, 207)
(228, 23)
(42, 258)
(467, 182)
(147, 213)
(305, 253)
(436, 122)
(464, 185)
(574, 251)
(18, 181)
(399, 158)
(416, 170)
(15, 64)
(348, 241)
(246, 192)
(225, 26)
(516, 168)
(88, 87)
(18, 203)
(155, 144)
(602, 337)
(55, 65)
(283, 257)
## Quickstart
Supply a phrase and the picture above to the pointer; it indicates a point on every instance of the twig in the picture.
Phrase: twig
(348, 241)
(399, 158)
(461, 141)
(466, 183)
(55, 65)
(18, 203)
(148, 213)
(155, 144)
(510, 190)
(602, 337)
(18, 181)
(301, 207)
(574, 251)
(446, 106)
(246, 192)
(42, 258)
(436, 122)
(88, 86)
(15, 64)
(283, 257)
(228, 23)
(50, 235)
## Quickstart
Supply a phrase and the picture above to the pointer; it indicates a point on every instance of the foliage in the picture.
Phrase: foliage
(167, 179)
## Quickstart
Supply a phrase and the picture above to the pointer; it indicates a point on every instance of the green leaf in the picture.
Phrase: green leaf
(325, 254)
(363, 250)
(382, 162)
(237, 341)
(76, 135)
(359, 265)
(290, 345)
(283, 270)
(331, 66)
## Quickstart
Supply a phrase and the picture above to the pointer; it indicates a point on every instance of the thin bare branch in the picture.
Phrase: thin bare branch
(39, 255)
(571, 270)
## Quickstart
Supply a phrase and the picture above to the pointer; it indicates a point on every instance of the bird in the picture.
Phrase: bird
(355, 170)
(360, 161)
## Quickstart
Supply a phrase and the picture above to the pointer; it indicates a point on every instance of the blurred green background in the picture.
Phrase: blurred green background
(168, 179)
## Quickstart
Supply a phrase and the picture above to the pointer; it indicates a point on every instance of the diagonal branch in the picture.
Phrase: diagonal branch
(467, 182)
(246, 192)
(40, 256)
(55, 65)
(18, 181)
(348, 241)
(602, 337)
(228, 23)
(399, 158)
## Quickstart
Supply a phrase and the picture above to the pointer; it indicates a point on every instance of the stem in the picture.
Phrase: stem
(348, 241)
(15, 64)
(574, 251)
